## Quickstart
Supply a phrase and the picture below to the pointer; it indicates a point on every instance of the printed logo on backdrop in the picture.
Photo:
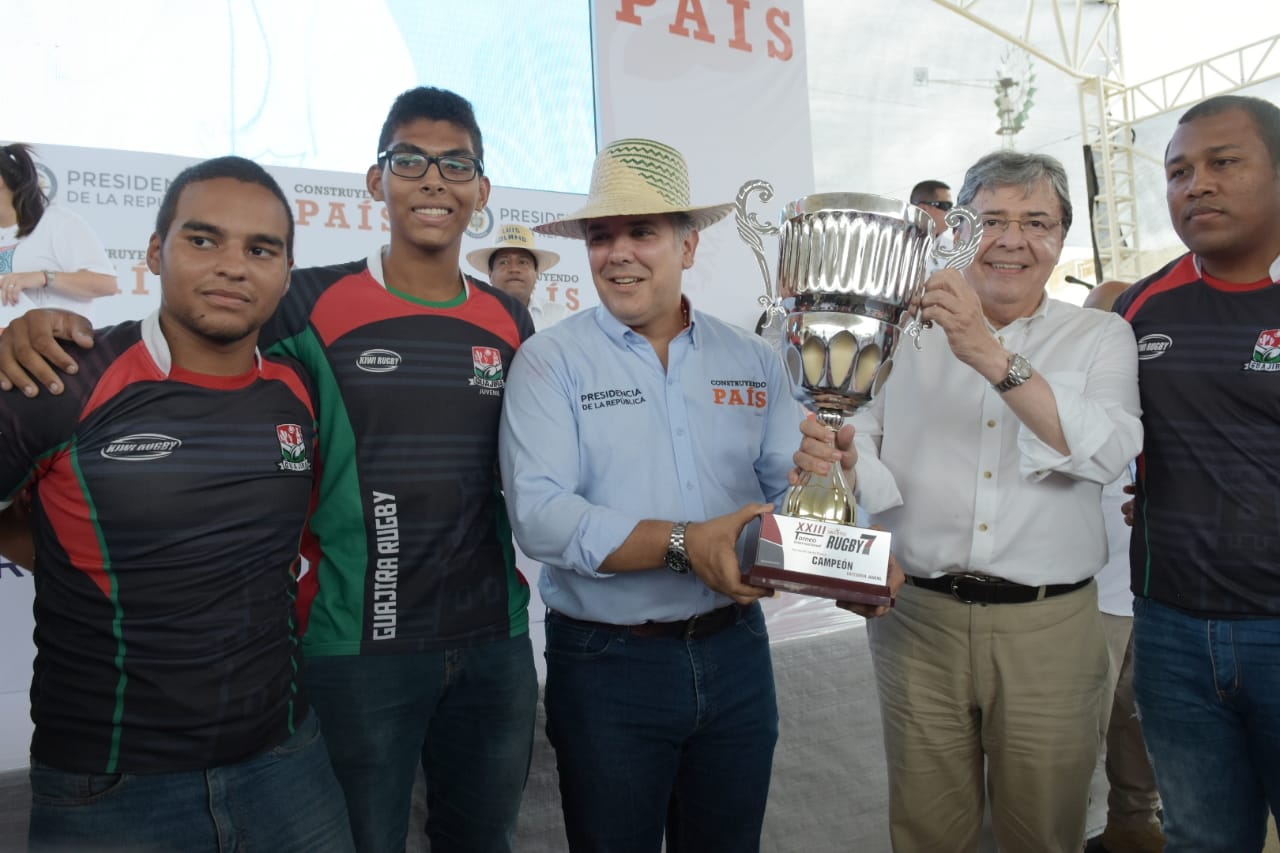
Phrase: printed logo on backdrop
(48, 181)
(1266, 352)
(10, 569)
(742, 30)
(486, 365)
(481, 224)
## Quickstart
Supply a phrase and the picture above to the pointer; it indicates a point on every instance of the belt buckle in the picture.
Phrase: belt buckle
(691, 627)
(955, 586)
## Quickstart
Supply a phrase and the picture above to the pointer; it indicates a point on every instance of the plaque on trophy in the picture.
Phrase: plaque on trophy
(855, 265)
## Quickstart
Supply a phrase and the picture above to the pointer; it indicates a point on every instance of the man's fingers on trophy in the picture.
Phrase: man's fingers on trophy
(1127, 509)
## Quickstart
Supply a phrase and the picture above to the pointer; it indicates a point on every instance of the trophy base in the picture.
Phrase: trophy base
(820, 558)
(820, 587)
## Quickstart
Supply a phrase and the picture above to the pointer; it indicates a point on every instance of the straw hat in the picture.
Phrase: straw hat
(634, 177)
(513, 236)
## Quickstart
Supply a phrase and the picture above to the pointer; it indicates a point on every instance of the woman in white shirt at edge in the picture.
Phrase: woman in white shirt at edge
(49, 256)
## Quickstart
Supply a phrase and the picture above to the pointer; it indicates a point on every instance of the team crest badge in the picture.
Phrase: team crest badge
(1266, 352)
(486, 364)
(293, 448)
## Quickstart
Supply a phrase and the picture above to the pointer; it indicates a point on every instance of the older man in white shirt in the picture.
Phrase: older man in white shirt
(986, 455)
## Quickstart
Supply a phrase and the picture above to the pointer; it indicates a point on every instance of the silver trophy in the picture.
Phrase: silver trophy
(855, 265)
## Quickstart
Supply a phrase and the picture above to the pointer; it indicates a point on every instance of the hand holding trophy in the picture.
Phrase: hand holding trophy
(855, 264)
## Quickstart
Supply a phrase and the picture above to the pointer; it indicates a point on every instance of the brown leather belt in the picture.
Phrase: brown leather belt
(712, 622)
(981, 589)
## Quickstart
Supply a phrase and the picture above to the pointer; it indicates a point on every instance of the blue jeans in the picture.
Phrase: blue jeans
(1208, 693)
(466, 714)
(655, 734)
(284, 801)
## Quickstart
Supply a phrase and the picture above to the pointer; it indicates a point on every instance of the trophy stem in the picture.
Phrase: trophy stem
(823, 497)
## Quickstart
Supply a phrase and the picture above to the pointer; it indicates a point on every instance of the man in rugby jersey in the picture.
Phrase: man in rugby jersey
(1205, 550)
(170, 485)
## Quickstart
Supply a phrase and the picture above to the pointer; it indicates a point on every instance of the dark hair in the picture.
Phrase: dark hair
(926, 190)
(1265, 115)
(1014, 169)
(435, 104)
(18, 168)
(237, 168)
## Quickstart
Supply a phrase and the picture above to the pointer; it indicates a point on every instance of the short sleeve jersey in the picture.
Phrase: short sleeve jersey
(167, 509)
(409, 543)
(1206, 534)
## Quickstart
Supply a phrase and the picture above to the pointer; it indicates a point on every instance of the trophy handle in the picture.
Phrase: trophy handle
(957, 258)
(962, 254)
(750, 229)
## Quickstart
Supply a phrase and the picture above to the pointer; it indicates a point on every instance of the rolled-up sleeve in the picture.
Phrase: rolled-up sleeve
(541, 468)
(1099, 411)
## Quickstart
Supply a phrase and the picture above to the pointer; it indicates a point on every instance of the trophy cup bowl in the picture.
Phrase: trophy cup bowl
(856, 266)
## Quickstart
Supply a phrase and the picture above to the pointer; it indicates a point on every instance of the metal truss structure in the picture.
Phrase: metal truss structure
(1081, 38)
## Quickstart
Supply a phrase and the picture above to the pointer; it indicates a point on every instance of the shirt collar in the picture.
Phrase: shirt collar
(374, 263)
(618, 331)
(158, 348)
(1041, 310)
(1274, 272)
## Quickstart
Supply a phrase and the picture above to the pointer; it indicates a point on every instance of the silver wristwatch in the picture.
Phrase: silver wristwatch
(1019, 372)
(677, 556)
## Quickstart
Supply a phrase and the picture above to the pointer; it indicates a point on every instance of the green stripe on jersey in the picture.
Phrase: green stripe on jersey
(517, 593)
(336, 622)
(117, 618)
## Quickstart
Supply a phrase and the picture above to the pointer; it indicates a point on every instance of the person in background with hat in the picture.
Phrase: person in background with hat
(638, 438)
(513, 266)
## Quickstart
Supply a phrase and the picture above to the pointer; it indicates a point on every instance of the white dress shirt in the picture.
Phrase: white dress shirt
(1114, 595)
(965, 487)
(546, 314)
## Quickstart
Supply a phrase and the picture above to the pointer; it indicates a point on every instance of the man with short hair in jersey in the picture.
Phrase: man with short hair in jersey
(169, 489)
(416, 648)
(1205, 550)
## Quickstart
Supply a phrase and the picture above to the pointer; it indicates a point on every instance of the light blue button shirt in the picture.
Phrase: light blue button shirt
(596, 437)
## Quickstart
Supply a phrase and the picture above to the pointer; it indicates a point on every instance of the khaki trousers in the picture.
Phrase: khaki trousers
(1132, 799)
(1017, 685)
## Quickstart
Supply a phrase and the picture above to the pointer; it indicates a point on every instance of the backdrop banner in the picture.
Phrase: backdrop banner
(724, 82)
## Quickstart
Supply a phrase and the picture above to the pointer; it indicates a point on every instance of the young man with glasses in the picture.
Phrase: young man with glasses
(416, 647)
(986, 456)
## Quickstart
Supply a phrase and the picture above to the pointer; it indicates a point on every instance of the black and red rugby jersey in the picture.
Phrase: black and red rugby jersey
(1206, 535)
(167, 510)
(409, 544)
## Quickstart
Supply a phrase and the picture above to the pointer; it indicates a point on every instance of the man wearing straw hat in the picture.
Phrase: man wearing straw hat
(513, 266)
(638, 438)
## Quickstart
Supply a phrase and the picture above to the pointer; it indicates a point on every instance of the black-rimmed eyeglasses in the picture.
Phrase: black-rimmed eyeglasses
(944, 206)
(454, 168)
